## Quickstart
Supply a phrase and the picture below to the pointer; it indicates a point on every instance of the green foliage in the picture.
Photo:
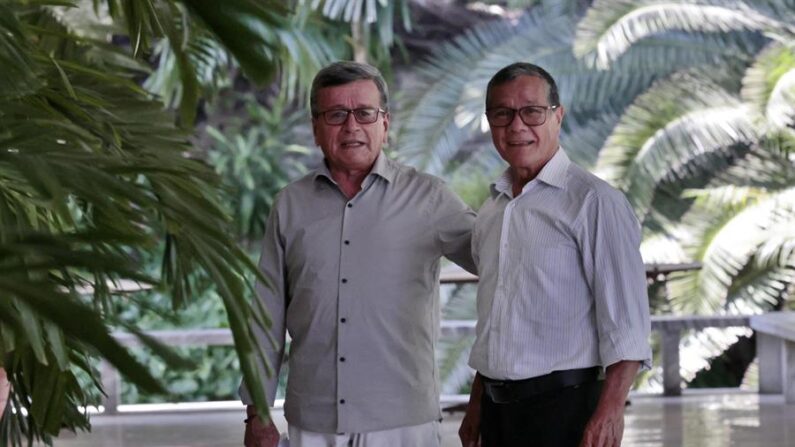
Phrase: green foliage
(685, 106)
(95, 179)
(711, 168)
(253, 155)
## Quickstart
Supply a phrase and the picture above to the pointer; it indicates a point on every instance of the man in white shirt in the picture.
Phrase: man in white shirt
(562, 294)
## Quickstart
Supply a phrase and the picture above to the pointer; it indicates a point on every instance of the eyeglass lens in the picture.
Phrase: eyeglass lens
(530, 115)
(362, 116)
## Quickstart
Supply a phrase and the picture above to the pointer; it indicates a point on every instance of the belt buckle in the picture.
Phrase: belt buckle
(501, 392)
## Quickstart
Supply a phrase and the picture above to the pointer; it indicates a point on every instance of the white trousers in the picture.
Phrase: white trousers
(423, 435)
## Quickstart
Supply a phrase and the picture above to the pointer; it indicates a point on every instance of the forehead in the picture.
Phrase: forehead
(353, 94)
(522, 90)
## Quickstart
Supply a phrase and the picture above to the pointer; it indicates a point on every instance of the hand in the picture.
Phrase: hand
(259, 434)
(470, 427)
(5, 389)
(605, 429)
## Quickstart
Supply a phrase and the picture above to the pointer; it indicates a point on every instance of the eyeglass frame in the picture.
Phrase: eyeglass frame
(518, 111)
(348, 113)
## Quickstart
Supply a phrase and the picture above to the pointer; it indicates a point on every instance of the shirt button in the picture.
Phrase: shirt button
(342, 401)
(343, 320)
(344, 280)
(350, 205)
(347, 242)
(342, 359)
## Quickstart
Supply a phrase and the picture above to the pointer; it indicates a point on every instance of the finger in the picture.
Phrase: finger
(604, 438)
(588, 437)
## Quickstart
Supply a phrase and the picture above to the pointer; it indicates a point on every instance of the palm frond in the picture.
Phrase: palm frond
(449, 108)
(362, 11)
(769, 84)
(446, 113)
(15, 57)
(93, 173)
(730, 242)
(666, 133)
(255, 32)
(662, 249)
(611, 27)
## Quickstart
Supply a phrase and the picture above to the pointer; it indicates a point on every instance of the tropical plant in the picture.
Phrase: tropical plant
(254, 156)
(706, 157)
(687, 106)
(95, 177)
(371, 25)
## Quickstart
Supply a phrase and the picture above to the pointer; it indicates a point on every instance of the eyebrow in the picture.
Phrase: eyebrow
(358, 106)
(521, 106)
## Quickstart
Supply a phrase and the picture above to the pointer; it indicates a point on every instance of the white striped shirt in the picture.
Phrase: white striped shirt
(562, 282)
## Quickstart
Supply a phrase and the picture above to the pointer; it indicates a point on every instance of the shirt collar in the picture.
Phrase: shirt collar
(553, 173)
(383, 167)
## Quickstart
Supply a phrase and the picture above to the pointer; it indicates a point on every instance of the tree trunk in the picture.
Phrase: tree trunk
(5, 388)
(359, 45)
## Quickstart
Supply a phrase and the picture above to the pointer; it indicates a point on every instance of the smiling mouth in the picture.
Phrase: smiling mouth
(520, 143)
(352, 144)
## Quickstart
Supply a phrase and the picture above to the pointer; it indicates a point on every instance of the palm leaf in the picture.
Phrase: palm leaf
(769, 84)
(728, 247)
(93, 173)
(611, 27)
(668, 131)
(446, 113)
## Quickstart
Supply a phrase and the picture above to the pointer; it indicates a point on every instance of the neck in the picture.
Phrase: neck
(521, 177)
(349, 180)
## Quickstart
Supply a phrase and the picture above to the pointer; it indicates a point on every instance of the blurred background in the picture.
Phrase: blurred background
(142, 143)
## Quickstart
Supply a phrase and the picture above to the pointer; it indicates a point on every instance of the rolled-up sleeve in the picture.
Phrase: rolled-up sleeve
(615, 272)
(274, 298)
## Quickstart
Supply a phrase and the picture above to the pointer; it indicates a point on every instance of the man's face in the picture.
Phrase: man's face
(523, 146)
(350, 145)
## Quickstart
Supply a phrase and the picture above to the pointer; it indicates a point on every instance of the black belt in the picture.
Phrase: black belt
(507, 391)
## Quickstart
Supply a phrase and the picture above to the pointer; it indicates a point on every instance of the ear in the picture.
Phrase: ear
(386, 127)
(559, 113)
(315, 124)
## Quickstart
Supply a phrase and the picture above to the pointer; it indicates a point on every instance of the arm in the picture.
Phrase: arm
(610, 242)
(454, 221)
(615, 270)
(273, 297)
(606, 427)
(470, 425)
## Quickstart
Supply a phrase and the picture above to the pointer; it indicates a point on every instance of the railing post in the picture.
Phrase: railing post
(789, 372)
(672, 378)
(770, 352)
(111, 385)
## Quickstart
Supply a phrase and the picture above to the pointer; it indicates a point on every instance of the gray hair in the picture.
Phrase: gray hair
(345, 72)
(517, 69)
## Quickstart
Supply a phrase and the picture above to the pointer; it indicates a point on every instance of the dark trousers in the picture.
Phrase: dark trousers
(552, 419)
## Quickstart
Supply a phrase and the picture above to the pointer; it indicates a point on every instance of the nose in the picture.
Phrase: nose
(516, 123)
(350, 122)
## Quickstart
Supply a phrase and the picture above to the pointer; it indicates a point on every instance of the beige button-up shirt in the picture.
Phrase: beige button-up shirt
(355, 283)
(562, 284)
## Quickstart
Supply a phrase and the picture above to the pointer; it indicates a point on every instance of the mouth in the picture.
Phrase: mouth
(352, 144)
(520, 143)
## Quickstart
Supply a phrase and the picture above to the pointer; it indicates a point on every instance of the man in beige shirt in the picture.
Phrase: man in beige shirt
(352, 251)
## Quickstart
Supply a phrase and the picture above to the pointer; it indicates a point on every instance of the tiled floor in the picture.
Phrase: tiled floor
(697, 420)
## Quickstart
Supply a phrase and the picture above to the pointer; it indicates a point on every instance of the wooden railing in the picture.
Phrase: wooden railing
(669, 327)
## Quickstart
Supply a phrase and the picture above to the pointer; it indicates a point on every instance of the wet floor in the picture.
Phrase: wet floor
(713, 420)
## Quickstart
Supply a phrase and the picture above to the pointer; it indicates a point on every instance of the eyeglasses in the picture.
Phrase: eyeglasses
(364, 115)
(530, 115)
